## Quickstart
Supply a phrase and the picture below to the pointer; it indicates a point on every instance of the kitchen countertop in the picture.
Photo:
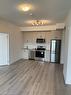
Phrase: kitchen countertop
(34, 49)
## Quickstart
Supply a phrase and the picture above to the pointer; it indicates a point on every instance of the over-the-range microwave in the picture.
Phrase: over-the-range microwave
(40, 40)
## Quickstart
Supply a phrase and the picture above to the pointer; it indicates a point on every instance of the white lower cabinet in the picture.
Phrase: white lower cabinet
(47, 56)
(25, 54)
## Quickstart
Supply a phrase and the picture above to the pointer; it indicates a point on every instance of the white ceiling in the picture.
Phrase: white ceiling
(54, 10)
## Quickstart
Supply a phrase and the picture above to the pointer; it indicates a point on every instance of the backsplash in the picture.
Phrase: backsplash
(33, 46)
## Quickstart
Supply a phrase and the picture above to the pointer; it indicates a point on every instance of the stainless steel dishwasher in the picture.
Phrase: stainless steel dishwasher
(32, 54)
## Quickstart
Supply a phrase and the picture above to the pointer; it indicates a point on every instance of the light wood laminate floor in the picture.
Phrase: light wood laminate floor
(32, 78)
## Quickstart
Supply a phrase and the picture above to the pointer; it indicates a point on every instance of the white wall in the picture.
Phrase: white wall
(65, 54)
(63, 47)
(15, 40)
(67, 63)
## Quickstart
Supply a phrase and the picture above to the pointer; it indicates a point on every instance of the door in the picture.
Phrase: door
(4, 49)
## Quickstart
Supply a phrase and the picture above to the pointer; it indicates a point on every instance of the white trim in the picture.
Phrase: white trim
(43, 28)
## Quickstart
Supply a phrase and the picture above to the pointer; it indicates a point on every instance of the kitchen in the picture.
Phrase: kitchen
(31, 45)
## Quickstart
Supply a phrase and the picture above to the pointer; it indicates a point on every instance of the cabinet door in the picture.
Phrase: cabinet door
(47, 56)
(40, 35)
(48, 37)
(25, 54)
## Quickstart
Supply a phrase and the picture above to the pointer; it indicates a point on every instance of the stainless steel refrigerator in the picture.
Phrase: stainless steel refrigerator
(55, 51)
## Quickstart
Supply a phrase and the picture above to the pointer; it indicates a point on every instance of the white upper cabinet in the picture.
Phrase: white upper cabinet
(30, 37)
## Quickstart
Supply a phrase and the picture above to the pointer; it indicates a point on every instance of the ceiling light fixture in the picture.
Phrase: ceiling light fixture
(40, 22)
(24, 7)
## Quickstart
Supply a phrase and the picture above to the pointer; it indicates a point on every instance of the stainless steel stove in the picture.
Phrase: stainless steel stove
(40, 53)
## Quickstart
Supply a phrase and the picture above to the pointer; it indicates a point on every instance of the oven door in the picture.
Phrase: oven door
(40, 54)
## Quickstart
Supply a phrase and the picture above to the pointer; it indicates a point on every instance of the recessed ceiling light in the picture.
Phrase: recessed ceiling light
(24, 7)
